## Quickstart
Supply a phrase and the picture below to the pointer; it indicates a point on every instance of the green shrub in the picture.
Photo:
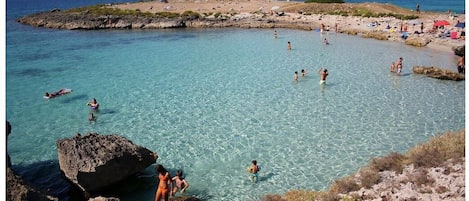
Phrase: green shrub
(190, 15)
(217, 14)
(167, 14)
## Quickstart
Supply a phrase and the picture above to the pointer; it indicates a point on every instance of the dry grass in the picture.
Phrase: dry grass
(392, 162)
(438, 150)
(448, 146)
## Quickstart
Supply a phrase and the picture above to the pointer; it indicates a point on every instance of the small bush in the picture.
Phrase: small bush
(438, 150)
(190, 15)
(217, 14)
(369, 177)
(345, 185)
(302, 195)
(393, 162)
(420, 177)
(167, 14)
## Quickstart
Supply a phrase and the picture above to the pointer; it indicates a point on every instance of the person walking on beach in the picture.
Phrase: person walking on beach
(417, 8)
(254, 170)
(421, 27)
(164, 185)
(323, 74)
(181, 183)
(461, 66)
(288, 45)
(295, 76)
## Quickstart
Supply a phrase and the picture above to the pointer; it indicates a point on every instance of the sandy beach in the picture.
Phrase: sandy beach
(296, 11)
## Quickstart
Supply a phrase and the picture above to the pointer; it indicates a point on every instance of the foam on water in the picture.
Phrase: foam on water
(210, 101)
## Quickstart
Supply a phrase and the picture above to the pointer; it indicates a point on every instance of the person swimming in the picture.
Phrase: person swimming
(58, 93)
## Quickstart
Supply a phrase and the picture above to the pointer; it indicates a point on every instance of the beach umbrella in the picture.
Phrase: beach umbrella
(461, 25)
(275, 8)
(441, 23)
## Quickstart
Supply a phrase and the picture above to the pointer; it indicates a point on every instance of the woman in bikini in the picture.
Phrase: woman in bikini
(165, 184)
(181, 183)
(93, 104)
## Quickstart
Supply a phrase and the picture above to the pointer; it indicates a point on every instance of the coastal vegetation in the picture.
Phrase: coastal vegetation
(437, 152)
(329, 7)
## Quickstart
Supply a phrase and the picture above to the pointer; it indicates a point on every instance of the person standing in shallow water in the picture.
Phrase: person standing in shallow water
(164, 185)
(295, 76)
(181, 183)
(323, 75)
(254, 170)
(288, 45)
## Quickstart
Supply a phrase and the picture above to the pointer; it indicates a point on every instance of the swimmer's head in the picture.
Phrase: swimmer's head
(325, 70)
(254, 162)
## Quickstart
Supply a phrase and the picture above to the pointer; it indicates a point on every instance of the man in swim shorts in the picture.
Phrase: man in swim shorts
(323, 74)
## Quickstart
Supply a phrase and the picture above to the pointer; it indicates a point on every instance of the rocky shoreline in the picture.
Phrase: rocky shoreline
(194, 14)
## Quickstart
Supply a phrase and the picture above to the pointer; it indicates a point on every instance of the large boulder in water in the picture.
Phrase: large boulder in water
(94, 162)
(438, 73)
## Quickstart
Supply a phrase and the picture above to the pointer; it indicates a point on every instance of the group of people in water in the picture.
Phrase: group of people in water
(93, 104)
(322, 74)
(169, 185)
(396, 67)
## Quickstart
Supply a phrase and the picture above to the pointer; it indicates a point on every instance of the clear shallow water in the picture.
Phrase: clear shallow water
(210, 101)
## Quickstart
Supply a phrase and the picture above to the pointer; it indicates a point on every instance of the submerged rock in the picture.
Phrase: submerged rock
(438, 73)
(459, 50)
(94, 162)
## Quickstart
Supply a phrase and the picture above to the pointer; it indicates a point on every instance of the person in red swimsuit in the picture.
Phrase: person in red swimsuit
(165, 184)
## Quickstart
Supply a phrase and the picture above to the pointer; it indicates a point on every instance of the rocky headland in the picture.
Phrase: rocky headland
(370, 20)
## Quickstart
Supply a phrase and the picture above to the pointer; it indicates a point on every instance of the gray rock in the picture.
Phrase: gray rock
(94, 162)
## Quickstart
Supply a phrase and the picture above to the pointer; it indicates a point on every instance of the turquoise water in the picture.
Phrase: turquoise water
(210, 101)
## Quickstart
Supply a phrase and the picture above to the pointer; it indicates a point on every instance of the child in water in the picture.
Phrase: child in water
(254, 170)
